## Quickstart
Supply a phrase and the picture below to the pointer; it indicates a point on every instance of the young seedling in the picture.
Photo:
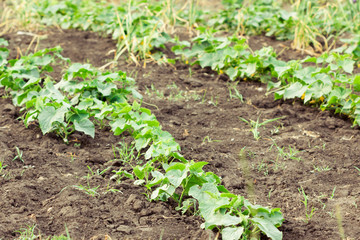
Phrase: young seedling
(96, 173)
(255, 125)
(2, 166)
(308, 214)
(262, 167)
(19, 155)
(87, 189)
(320, 169)
(126, 153)
(214, 103)
(333, 193)
(209, 140)
(357, 169)
(234, 93)
(28, 233)
(291, 154)
(120, 174)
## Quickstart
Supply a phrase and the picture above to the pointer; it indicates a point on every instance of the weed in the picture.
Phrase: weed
(262, 167)
(234, 93)
(357, 169)
(290, 154)
(275, 130)
(269, 194)
(333, 193)
(209, 140)
(214, 101)
(19, 155)
(77, 145)
(2, 166)
(126, 153)
(308, 214)
(28, 233)
(120, 174)
(97, 172)
(87, 189)
(321, 169)
(255, 125)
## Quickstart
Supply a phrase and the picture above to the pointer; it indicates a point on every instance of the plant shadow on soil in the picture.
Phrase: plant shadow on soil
(307, 149)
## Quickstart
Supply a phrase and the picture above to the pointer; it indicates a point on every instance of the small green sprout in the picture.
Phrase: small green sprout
(255, 125)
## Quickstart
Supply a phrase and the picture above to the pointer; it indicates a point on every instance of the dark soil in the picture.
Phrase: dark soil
(198, 111)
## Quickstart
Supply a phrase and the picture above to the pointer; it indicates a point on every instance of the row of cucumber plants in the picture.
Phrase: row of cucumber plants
(140, 27)
(328, 83)
(135, 25)
(86, 97)
(304, 22)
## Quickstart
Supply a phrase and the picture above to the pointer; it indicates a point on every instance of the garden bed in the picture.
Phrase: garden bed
(307, 151)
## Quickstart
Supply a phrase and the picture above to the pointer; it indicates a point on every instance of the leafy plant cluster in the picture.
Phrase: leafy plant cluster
(229, 55)
(260, 17)
(328, 82)
(135, 25)
(86, 97)
(310, 24)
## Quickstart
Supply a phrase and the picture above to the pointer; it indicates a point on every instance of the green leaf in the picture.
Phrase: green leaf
(219, 218)
(197, 167)
(176, 177)
(139, 172)
(3, 42)
(347, 65)
(250, 69)
(105, 88)
(232, 73)
(118, 126)
(356, 83)
(141, 143)
(232, 233)
(294, 90)
(49, 115)
(267, 227)
(85, 126)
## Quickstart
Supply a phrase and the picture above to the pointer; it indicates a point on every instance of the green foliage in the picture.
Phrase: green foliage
(86, 96)
(135, 25)
(228, 55)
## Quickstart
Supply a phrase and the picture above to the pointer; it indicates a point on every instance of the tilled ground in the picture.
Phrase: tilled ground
(307, 149)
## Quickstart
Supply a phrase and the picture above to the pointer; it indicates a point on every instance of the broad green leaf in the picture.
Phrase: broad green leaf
(85, 103)
(158, 177)
(251, 69)
(141, 143)
(3, 42)
(232, 73)
(356, 83)
(268, 228)
(197, 166)
(118, 126)
(207, 60)
(219, 218)
(176, 166)
(176, 176)
(139, 172)
(49, 115)
(347, 65)
(163, 192)
(85, 126)
(4, 53)
(305, 74)
(105, 88)
(294, 90)
(232, 233)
